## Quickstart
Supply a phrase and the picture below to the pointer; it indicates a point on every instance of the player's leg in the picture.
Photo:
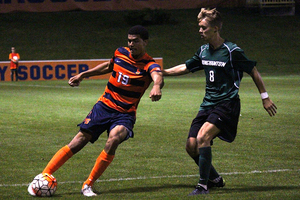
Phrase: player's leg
(116, 136)
(191, 146)
(224, 116)
(12, 75)
(66, 152)
(193, 151)
(205, 135)
(17, 75)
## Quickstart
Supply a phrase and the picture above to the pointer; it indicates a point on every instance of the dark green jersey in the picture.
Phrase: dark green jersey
(223, 68)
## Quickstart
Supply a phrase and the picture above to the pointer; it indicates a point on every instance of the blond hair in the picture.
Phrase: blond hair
(212, 16)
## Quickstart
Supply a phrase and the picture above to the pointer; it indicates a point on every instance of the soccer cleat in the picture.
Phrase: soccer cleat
(198, 190)
(88, 191)
(30, 190)
(218, 182)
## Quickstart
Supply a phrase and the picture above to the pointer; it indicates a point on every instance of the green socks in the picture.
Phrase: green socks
(213, 174)
(205, 158)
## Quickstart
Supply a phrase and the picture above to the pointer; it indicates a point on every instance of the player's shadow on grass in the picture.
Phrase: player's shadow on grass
(226, 189)
(148, 188)
(246, 188)
(131, 189)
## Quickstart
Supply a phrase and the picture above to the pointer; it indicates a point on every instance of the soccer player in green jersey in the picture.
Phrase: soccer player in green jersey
(223, 63)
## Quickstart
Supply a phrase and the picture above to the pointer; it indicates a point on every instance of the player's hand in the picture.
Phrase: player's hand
(155, 94)
(75, 80)
(269, 106)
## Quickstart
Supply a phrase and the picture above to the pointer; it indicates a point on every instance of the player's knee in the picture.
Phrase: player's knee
(112, 144)
(79, 141)
(191, 147)
(116, 136)
(191, 151)
(203, 138)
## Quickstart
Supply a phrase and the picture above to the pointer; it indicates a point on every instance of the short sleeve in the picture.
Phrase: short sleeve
(154, 67)
(194, 64)
(241, 62)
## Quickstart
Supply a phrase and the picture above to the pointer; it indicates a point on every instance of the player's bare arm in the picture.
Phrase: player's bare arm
(268, 104)
(176, 71)
(158, 84)
(100, 69)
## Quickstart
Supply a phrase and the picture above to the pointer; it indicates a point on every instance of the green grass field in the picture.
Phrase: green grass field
(38, 118)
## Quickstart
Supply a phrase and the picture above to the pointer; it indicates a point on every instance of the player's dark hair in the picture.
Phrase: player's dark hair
(139, 30)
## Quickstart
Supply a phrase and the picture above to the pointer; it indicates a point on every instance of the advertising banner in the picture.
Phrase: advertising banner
(53, 69)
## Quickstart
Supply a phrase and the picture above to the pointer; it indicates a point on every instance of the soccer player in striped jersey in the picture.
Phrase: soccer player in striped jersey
(132, 70)
(223, 63)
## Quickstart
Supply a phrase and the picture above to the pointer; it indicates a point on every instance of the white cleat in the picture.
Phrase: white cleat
(88, 191)
(30, 190)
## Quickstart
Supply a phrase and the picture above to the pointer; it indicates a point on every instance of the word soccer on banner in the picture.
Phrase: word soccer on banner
(53, 69)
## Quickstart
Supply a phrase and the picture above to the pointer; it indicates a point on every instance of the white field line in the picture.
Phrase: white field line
(163, 177)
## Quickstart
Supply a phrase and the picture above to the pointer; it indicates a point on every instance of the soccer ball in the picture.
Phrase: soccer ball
(44, 185)
(15, 59)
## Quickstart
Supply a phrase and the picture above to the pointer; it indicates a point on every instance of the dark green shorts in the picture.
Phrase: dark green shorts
(225, 116)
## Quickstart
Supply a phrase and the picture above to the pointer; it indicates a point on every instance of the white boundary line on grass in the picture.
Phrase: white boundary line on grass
(161, 177)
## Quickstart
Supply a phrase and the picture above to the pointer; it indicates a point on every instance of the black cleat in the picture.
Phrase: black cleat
(218, 182)
(198, 190)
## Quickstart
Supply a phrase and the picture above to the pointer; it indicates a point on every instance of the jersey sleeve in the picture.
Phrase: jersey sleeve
(112, 60)
(154, 68)
(241, 62)
(194, 64)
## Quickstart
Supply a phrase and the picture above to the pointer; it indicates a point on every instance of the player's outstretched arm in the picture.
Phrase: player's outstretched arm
(100, 69)
(158, 84)
(268, 104)
(176, 71)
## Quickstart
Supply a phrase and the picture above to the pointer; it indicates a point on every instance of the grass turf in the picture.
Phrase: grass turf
(40, 117)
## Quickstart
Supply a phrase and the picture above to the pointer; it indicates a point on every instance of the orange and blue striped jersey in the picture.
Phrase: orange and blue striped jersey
(129, 80)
